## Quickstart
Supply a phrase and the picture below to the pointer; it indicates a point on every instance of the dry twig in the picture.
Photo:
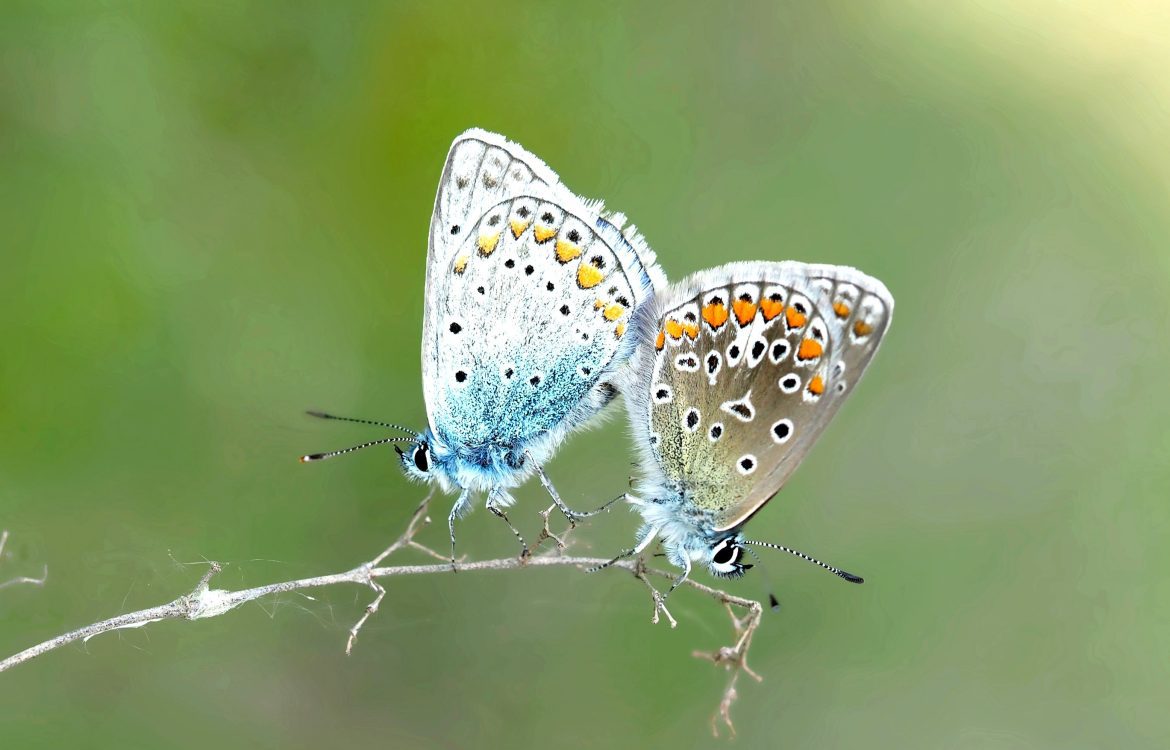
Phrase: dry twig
(734, 658)
(203, 601)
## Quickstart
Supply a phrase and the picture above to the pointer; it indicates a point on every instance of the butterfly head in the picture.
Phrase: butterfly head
(725, 557)
(423, 459)
(418, 459)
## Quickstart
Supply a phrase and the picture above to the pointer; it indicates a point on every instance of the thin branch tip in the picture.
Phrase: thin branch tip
(204, 602)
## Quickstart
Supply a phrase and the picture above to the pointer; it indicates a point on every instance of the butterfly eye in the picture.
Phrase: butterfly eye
(421, 461)
(725, 554)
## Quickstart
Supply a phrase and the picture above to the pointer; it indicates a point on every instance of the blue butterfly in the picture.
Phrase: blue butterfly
(530, 294)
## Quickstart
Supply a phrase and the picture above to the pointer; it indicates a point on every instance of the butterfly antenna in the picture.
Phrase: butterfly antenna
(835, 571)
(323, 415)
(342, 452)
(773, 602)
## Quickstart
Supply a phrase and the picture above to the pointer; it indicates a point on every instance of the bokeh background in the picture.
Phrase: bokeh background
(213, 216)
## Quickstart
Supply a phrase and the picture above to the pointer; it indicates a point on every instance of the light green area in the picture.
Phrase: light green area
(214, 217)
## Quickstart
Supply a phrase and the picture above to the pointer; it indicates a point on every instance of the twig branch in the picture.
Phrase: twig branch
(204, 602)
(734, 658)
(20, 579)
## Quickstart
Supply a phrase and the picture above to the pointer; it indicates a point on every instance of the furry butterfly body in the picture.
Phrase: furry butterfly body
(530, 294)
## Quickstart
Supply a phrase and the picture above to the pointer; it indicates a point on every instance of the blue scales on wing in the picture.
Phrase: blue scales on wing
(536, 314)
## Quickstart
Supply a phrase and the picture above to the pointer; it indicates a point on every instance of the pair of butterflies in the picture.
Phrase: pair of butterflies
(540, 307)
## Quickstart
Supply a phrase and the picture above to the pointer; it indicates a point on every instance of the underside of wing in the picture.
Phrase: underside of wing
(748, 365)
(484, 176)
(535, 315)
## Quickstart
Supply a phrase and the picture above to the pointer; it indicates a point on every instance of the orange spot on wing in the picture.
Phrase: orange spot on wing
(613, 312)
(599, 304)
(841, 309)
(566, 251)
(487, 244)
(744, 311)
(816, 386)
(771, 308)
(861, 329)
(691, 330)
(674, 329)
(461, 263)
(794, 319)
(809, 349)
(661, 342)
(715, 315)
(518, 227)
(588, 276)
(543, 233)
(621, 328)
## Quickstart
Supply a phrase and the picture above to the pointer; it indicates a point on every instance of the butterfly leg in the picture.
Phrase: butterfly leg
(461, 506)
(621, 556)
(496, 499)
(637, 550)
(568, 512)
(681, 579)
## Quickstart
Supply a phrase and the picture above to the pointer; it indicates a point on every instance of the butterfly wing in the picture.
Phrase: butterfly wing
(482, 169)
(748, 364)
(530, 291)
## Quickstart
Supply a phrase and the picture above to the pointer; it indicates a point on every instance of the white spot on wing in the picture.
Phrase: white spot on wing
(756, 349)
(779, 350)
(781, 431)
(741, 408)
(734, 353)
(712, 363)
(746, 464)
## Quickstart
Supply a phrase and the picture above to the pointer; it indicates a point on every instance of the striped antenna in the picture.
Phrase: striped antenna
(342, 452)
(323, 415)
(835, 571)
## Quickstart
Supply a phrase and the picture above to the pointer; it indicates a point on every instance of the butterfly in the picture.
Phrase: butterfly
(740, 370)
(530, 295)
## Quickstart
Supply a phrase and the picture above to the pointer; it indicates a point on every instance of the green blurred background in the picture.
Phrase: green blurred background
(213, 216)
